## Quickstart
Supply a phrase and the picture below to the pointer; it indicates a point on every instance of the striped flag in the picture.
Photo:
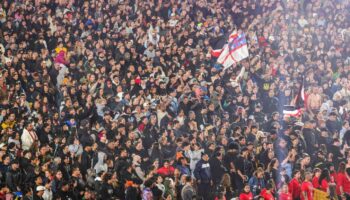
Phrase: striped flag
(296, 110)
(220, 44)
(234, 51)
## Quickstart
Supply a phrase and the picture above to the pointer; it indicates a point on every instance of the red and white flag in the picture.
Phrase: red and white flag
(234, 51)
(299, 103)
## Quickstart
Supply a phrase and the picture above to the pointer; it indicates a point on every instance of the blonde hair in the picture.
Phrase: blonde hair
(226, 180)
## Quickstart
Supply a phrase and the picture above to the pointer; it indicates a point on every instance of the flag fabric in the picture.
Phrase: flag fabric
(291, 111)
(220, 44)
(235, 51)
(320, 195)
(216, 52)
(299, 102)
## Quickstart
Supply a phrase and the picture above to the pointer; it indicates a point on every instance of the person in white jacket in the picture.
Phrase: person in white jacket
(136, 160)
(29, 137)
(194, 155)
(101, 165)
(48, 195)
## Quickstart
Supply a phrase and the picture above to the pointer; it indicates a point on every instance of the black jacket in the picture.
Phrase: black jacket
(13, 179)
(202, 171)
(310, 139)
(217, 169)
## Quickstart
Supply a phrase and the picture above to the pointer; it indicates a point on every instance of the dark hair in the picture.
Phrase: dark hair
(347, 171)
(270, 184)
(107, 177)
(295, 172)
(324, 175)
(271, 164)
(188, 179)
(342, 167)
(148, 183)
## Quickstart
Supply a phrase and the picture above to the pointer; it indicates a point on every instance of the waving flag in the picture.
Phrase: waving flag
(299, 101)
(220, 43)
(235, 51)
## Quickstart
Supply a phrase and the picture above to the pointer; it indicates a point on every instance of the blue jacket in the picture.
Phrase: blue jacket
(202, 171)
(256, 184)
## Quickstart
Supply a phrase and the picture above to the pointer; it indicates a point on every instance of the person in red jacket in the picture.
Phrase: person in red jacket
(317, 174)
(267, 193)
(246, 194)
(307, 189)
(344, 185)
(284, 193)
(324, 180)
(295, 185)
(166, 170)
(340, 177)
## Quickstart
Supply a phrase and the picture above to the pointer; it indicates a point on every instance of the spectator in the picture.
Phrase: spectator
(324, 180)
(284, 194)
(217, 168)
(257, 182)
(268, 192)
(14, 177)
(39, 193)
(166, 170)
(295, 185)
(316, 178)
(188, 192)
(306, 187)
(226, 184)
(202, 173)
(246, 194)
(89, 88)
(343, 183)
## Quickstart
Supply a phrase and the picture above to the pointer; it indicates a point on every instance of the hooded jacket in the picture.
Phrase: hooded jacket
(202, 171)
(101, 165)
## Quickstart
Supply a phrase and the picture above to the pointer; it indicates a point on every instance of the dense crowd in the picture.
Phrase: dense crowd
(121, 99)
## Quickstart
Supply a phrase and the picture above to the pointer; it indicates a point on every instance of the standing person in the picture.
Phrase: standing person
(307, 188)
(295, 186)
(226, 184)
(188, 192)
(284, 193)
(39, 193)
(268, 192)
(166, 170)
(246, 194)
(147, 192)
(324, 180)
(343, 182)
(339, 178)
(203, 176)
(194, 155)
(217, 168)
(310, 138)
(29, 138)
(257, 182)
(14, 177)
(240, 164)
(317, 174)
(85, 161)
(314, 100)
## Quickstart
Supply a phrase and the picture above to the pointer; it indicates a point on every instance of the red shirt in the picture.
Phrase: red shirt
(344, 181)
(334, 177)
(285, 196)
(340, 177)
(324, 185)
(315, 182)
(245, 196)
(166, 171)
(295, 188)
(308, 188)
(266, 195)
